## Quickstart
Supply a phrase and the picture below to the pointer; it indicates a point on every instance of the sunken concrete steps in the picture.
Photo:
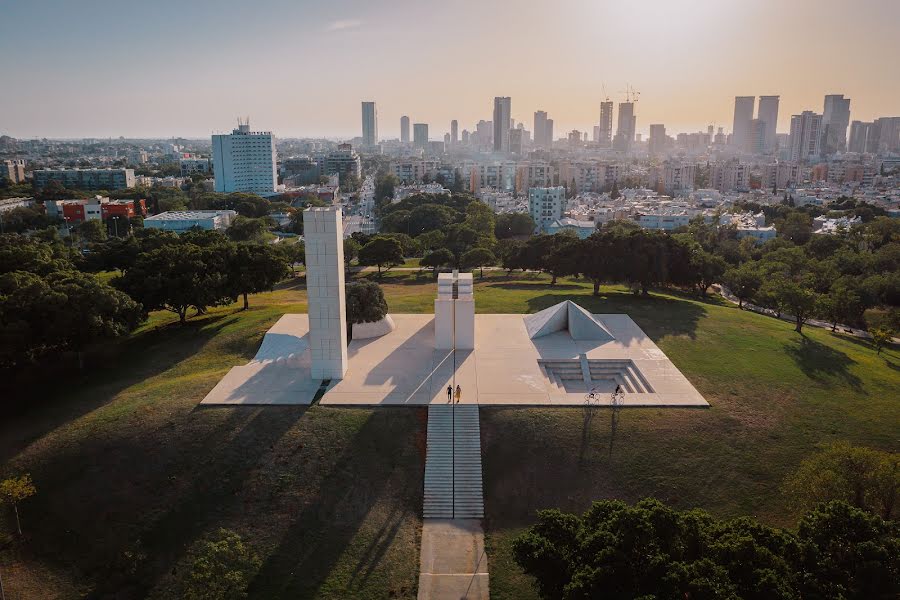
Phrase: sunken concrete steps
(453, 477)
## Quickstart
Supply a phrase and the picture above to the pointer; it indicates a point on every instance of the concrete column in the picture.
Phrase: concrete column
(464, 313)
(323, 231)
(443, 313)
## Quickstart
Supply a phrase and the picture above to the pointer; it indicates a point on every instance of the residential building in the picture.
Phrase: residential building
(768, 114)
(369, 124)
(343, 162)
(835, 119)
(404, 129)
(885, 135)
(678, 177)
(743, 114)
(193, 164)
(663, 220)
(546, 205)
(782, 175)
(244, 161)
(85, 179)
(656, 145)
(581, 228)
(516, 143)
(420, 135)
(540, 130)
(859, 137)
(454, 132)
(756, 139)
(502, 111)
(185, 220)
(604, 133)
(302, 170)
(729, 176)
(806, 136)
(14, 170)
(626, 127)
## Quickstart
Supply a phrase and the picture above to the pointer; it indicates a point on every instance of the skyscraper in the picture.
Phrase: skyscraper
(244, 161)
(806, 136)
(756, 140)
(548, 133)
(606, 118)
(420, 135)
(768, 114)
(625, 127)
(454, 132)
(369, 124)
(404, 129)
(657, 142)
(502, 108)
(540, 129)
(743, 114)
(859, 136)
(835, 119)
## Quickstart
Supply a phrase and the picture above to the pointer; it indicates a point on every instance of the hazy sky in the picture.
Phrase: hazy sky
(189, 67)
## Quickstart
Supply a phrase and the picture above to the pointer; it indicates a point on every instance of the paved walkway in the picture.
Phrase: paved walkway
(453, 564)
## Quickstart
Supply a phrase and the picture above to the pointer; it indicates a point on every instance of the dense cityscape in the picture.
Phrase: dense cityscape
(482, 346)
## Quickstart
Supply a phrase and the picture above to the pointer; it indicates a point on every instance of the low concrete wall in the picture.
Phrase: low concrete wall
(362, 331)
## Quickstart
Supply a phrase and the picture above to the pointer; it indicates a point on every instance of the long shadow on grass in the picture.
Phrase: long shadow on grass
(320, 534)
(215, 480)
(48, 403)
(657, 316)
(820, 362)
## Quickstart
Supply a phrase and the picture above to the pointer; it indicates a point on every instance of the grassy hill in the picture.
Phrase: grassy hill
(130, 471)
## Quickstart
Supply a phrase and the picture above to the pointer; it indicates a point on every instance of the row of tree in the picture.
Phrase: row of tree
(846, 545)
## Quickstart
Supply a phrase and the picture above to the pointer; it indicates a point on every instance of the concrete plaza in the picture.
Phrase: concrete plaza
(507, 367)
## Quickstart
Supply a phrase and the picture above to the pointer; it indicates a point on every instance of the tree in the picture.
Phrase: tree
(14, 490)
(63, 310)
(798, 300)
(620, 552)
(840, 304)
(437, 259)
(743, 282)
(478, 258)
(881, 337)
(480, 217)
(614, 192)
(221, 568)
(246, 229)
(254, 269)
(428, 217)
(365, 303)
(92, 231)
(797, 227)
(382, 252)
(509, 225)
(177, 277)
(868, 479)
(351, 250)
(707, 269)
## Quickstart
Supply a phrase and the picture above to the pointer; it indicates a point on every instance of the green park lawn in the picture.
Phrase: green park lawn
(130, 471)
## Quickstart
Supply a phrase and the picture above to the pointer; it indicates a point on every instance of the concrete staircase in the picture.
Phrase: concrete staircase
(565, 375)
(623, 372)
(453, 488)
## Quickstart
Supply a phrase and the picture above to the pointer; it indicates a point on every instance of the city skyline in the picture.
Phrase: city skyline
(189, 77)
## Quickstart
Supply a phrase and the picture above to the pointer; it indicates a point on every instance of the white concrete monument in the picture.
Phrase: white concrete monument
(454, 312)
(323, 231)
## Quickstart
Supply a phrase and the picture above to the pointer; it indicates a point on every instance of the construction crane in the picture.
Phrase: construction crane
(631, 94)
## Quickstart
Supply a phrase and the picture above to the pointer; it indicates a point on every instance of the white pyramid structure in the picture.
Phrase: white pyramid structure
(567, 316)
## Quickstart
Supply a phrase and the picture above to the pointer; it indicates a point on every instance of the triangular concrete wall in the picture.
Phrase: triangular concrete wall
(566, 316)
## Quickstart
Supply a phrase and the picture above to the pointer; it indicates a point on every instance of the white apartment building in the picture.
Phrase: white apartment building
(806, 136)
(531, 174)
(663, 221)
(782, 175)
(590, 176)
(678, 177)
(729, 176)
(546, 205)
(244, 161)
(413, 170)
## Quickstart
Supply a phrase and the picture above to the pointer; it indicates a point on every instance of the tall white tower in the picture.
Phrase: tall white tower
(323, 230)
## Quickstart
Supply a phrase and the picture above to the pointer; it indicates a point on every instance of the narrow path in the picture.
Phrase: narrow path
(453, 563)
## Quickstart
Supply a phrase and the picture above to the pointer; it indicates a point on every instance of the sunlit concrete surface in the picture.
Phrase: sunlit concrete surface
(507, 367)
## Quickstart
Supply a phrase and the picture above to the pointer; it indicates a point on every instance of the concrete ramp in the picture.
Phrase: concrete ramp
(280, 373)
(566, 316)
